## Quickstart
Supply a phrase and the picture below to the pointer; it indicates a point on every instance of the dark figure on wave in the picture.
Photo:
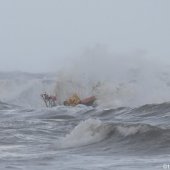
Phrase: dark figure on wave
(50, 101)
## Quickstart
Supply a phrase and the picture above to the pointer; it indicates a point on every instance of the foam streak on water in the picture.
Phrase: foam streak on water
(127, 130)
(85, 138)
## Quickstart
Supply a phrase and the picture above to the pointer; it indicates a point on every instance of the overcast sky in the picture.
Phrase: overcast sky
(44, 35)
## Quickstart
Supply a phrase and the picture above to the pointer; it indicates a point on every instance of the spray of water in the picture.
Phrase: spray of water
(116, 80)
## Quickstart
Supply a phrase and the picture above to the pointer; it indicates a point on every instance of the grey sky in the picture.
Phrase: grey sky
(43, 35)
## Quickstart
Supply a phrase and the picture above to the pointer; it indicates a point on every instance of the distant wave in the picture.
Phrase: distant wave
(5, 106)
(25, 89)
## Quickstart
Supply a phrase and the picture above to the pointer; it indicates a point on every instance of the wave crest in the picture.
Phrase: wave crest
(86, 132)
(93, 131)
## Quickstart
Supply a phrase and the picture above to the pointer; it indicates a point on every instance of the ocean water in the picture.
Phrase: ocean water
(128, 130)
(85, 138)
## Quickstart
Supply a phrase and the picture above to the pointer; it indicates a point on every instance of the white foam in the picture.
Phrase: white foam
(131, 130)
(24, 91)
(86, 132)
(125, 79)
(121, 80)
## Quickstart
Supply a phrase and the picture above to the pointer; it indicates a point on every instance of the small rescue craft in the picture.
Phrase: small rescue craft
(75, 100)
(51, 101)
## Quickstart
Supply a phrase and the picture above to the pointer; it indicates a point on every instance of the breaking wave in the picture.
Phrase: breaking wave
(93, 131)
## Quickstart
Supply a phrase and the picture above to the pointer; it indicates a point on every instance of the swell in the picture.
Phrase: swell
(155, 109)
(141, 131)
(117, 135)
(141, 138)
(6, 106)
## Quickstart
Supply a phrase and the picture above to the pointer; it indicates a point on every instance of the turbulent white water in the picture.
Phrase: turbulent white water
(24, 88)
(129, 128)
(84, 137)
(93, 131)
(115, 80)
(81, 137)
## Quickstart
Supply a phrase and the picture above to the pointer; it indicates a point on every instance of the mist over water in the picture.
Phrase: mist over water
(131, 79)
(117, 51)
(127, 129)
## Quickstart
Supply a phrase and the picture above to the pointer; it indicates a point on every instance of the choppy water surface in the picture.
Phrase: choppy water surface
(85, 138)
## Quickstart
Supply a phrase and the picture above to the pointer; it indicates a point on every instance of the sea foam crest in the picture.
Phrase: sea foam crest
(128, 130)
(86, 132)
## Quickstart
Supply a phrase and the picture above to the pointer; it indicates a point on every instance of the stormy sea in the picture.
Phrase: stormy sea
(119, 133)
